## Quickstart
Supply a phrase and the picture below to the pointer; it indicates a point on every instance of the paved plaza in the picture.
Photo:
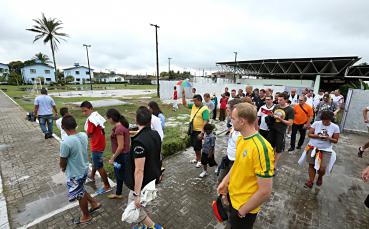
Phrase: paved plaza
(35, 189)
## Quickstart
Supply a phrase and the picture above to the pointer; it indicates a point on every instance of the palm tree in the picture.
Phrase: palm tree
(43, 58)
(48, 29)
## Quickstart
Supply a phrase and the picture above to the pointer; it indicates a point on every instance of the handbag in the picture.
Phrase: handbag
(190, 125)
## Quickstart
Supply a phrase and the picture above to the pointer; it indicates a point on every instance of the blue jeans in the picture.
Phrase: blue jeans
(43, 119)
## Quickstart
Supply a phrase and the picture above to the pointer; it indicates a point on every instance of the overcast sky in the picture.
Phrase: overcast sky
(195, 33)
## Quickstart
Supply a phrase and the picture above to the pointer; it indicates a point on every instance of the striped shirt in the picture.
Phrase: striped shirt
(254, 158)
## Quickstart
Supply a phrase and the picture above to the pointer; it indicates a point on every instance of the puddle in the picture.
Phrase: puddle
(3, 146)
(102, 93)
(104, 103)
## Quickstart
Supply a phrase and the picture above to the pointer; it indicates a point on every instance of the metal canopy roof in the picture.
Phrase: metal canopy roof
(292, 67)
(359, 71)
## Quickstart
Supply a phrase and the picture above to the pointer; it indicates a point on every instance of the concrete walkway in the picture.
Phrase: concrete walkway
(33, 187)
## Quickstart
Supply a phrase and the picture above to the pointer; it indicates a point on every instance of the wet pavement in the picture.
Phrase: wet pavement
(32, 187)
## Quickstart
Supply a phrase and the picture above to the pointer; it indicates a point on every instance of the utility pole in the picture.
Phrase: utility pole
(157, 59)
(235, 65)
(88, 62)
(169, 58)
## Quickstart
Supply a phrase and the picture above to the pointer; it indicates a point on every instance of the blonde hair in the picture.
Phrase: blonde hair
(246, 100)
(246, 111)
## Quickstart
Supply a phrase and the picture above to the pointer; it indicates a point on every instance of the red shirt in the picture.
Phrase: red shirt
(223, 103)
(97, 140)
(175, 95)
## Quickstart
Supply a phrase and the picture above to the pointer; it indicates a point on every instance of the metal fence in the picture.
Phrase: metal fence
(352, 119)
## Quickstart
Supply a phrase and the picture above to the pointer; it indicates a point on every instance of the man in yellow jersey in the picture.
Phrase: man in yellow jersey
(249, 182)
(199, 118)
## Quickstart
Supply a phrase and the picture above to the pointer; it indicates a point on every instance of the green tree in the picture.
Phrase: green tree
(48, 29)
(69, 79)
(16, 66)
(14, 78)
(43, 58)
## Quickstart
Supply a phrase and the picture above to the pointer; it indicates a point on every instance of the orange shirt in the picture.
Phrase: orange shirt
(300, 116)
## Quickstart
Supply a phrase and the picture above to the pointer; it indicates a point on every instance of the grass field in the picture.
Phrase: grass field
(172, 134)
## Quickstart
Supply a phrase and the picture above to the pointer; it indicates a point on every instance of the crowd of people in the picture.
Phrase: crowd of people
(258, 121)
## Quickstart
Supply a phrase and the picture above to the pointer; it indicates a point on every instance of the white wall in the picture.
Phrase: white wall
(40, 71)
(82, 76)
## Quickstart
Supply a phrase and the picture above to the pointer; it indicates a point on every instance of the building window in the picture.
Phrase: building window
(32, 71)
(77, 72)
(47, 71)
(87, 73)
(1, 70)
(78, 79)
(48, 79)
(32, 79)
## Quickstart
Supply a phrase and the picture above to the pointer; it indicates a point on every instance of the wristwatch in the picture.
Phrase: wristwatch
(135, 194)
(239, 215)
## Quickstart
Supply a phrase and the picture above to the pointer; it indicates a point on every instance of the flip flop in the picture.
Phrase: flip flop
(92, 210)
(77, 221)
(114, 196)
(101, 191)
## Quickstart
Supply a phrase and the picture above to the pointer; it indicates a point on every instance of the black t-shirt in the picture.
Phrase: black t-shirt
(146, 144)
(259, 102)
(286, 113)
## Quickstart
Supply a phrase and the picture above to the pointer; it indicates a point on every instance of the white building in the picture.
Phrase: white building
(38, 70)
(4, 69)
(80, 74)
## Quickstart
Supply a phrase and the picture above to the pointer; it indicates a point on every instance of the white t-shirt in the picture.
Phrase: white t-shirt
(232, 140)
(338, 99)
(367, 123)
(58, 123)
(317, 100)
(295, 99)
(319, 128)
(262, 113)
(156, 125)
(310, 100)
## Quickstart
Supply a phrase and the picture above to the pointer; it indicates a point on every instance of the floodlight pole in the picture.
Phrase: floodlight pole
(169, 58)
(157, 59)
(88, 62)
(235, 64)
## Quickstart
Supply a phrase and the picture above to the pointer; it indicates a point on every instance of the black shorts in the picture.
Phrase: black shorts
(276, 139)
(196, 143)
(205, 160)
(241, 223)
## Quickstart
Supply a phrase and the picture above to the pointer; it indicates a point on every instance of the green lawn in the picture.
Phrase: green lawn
(175, 137)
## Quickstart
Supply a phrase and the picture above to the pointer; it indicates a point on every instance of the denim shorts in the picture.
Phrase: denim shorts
(97, 160)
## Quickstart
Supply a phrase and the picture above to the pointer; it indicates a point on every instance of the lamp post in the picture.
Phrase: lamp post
(169, 58)
(157, 59)
(235, 64)
(88, 62)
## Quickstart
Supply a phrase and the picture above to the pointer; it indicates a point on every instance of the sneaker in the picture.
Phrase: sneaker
(156, 226)
(193, 161)
(319, 182)
(203, 174)
(198, 164)
(298, 147)
(291, 149)
(360, 152)
(288, 135)
(309, 184)
(216, 171)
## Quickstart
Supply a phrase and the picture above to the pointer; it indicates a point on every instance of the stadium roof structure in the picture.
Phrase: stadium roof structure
(293, 68)
(358, 71)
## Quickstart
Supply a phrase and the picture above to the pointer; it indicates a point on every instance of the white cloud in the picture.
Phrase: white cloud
(196, 34)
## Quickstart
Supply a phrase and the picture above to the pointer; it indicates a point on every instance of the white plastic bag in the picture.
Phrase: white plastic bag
(131, 213)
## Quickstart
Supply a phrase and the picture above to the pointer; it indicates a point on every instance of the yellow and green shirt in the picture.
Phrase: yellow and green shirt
(254, 158)
(201, 116)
